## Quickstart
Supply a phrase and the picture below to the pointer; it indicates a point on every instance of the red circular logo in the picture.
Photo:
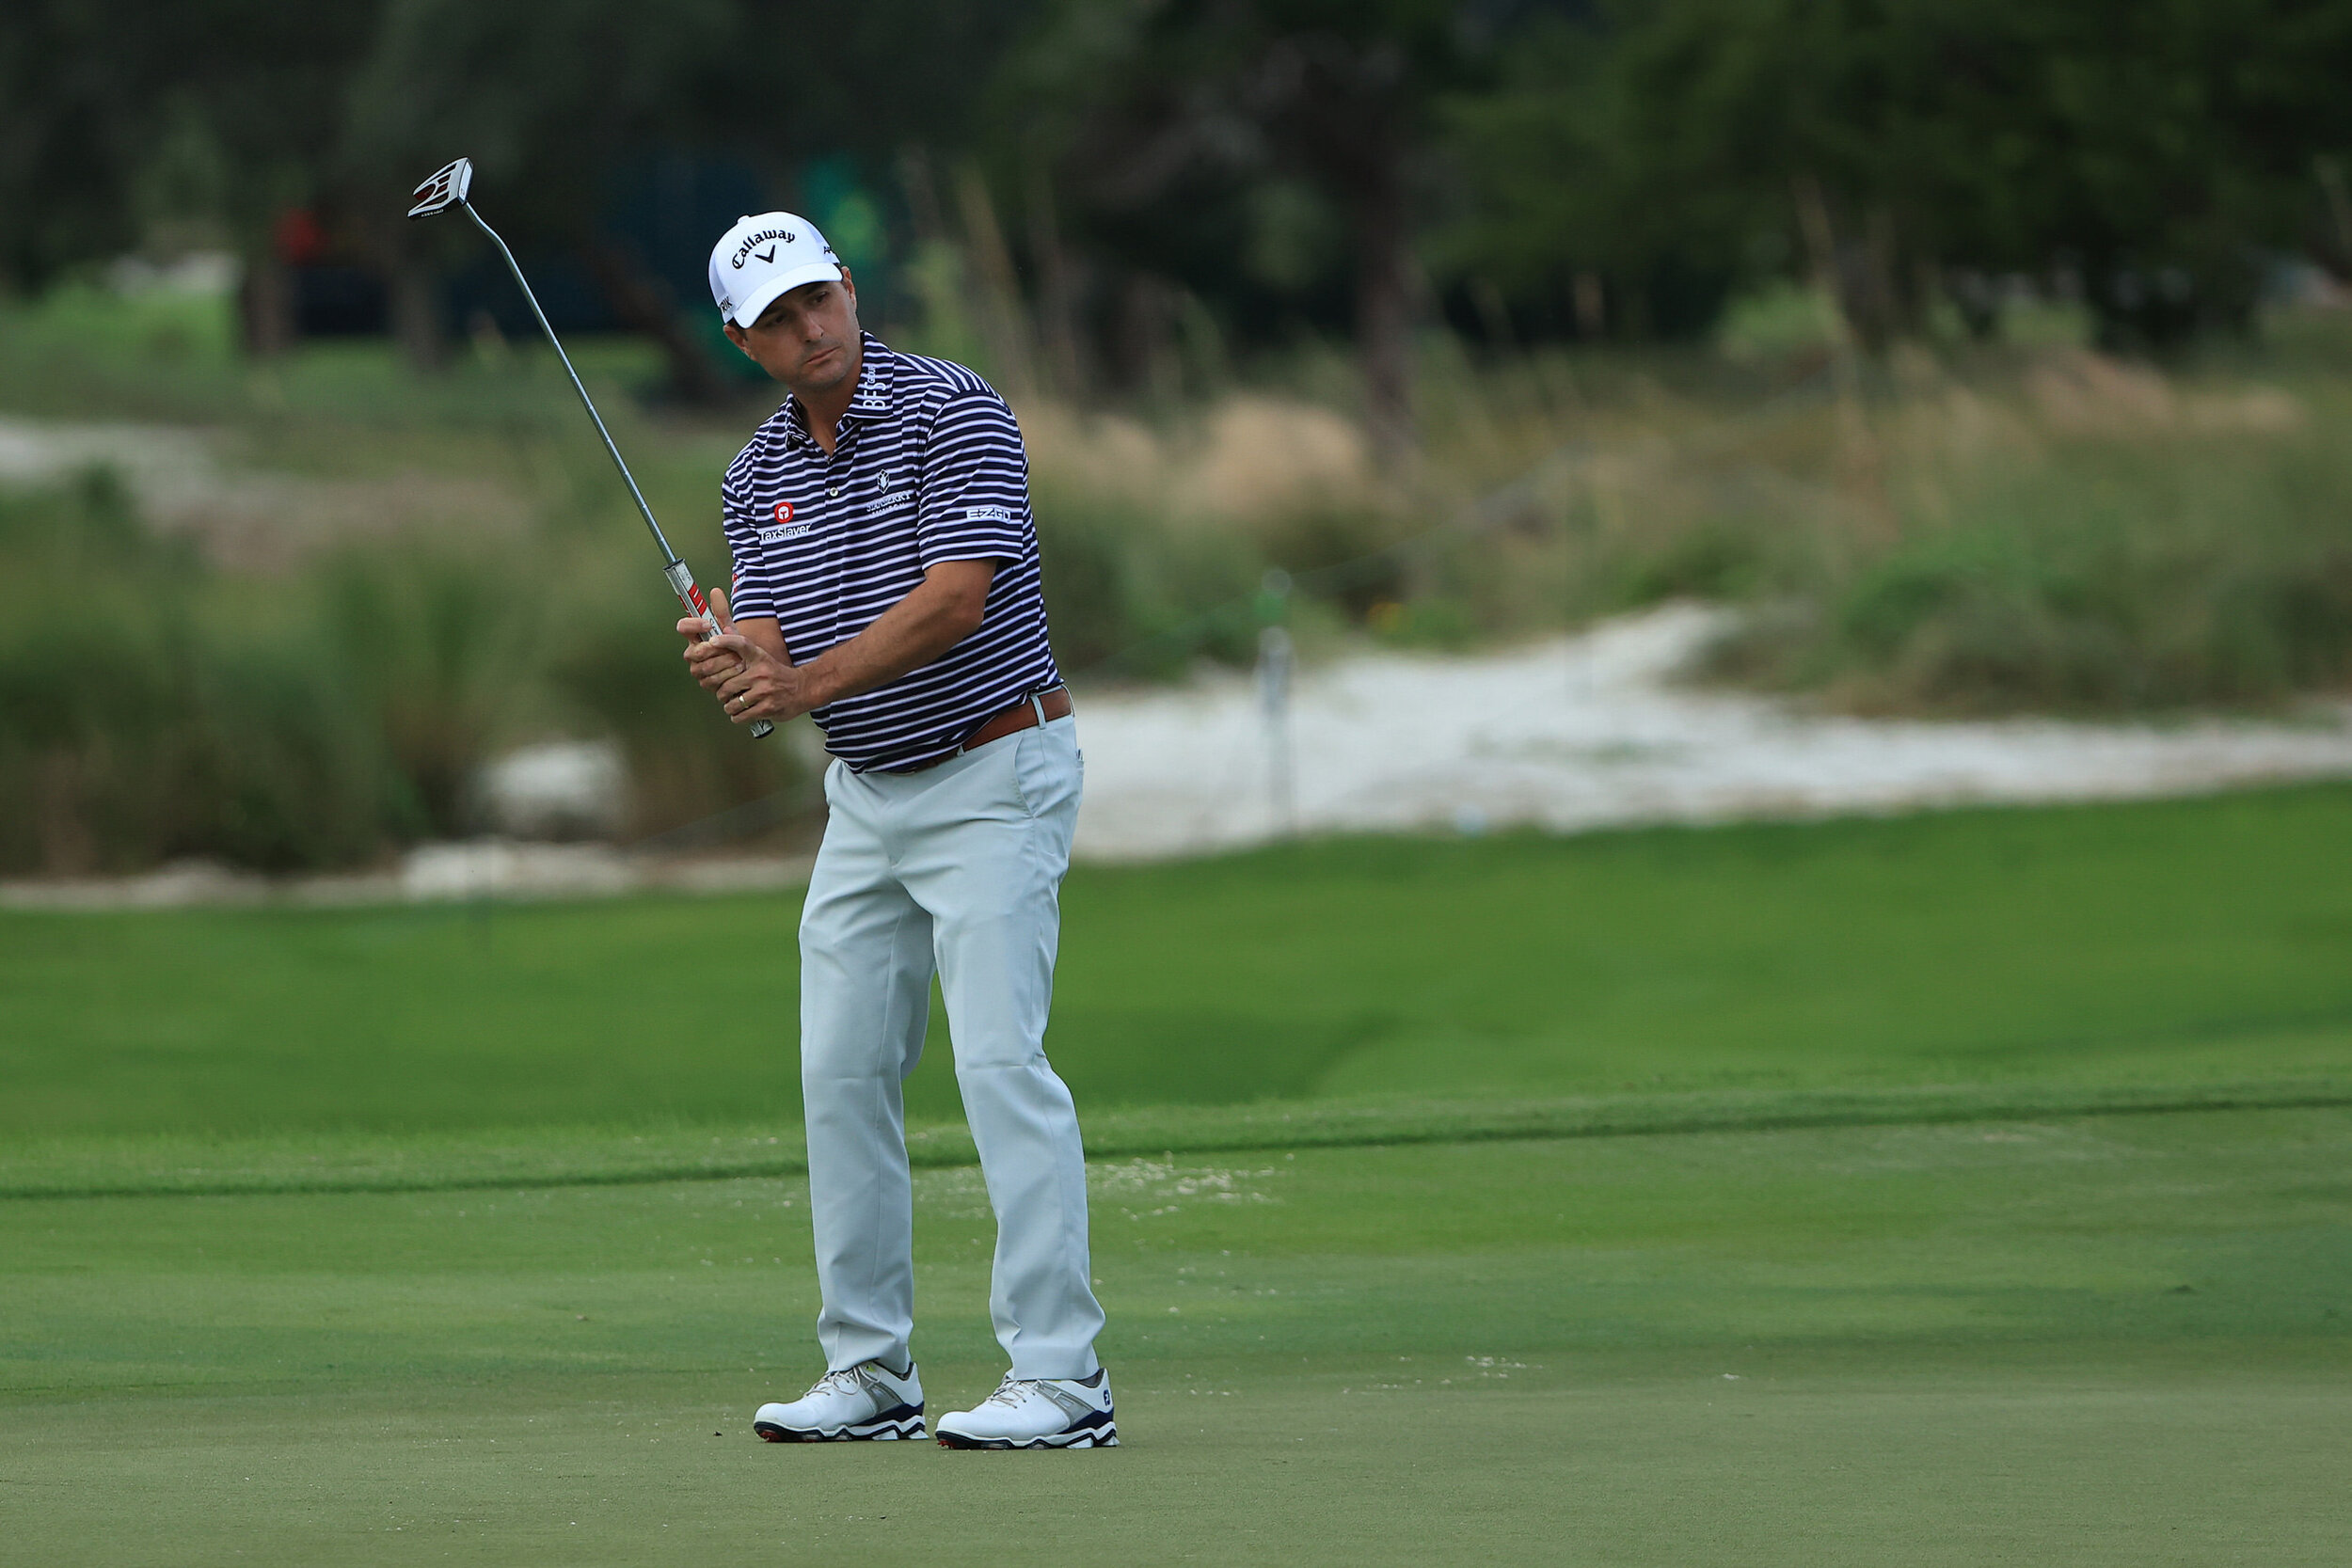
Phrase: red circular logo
(784, 512)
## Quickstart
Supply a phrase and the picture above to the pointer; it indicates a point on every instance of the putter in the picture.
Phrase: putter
(448, 187)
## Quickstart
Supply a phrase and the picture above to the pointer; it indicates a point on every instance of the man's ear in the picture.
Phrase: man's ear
(735, 336)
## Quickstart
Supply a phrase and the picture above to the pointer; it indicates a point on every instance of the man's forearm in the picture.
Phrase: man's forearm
(749, 669)
(942, 612)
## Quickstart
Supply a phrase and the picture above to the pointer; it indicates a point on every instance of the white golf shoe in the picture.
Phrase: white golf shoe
(1036, 1412)
(867, 1402)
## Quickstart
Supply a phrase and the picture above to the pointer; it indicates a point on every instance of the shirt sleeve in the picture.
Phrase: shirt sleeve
(975, 503)
(749, 590)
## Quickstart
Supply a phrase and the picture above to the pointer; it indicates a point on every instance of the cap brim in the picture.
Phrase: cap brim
(784, 283)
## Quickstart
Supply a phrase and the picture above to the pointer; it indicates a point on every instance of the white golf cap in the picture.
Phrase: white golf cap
(762, 257)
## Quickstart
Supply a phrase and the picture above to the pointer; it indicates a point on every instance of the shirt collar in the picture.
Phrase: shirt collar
(877, 371)
(878, 367)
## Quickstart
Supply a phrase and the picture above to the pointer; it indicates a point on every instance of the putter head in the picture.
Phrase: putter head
(446, 185)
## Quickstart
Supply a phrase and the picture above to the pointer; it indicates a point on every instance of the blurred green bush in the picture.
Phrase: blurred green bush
(140, 719)
(1986, 531)
(2106, 577)
(1131, 594)
(153, 708)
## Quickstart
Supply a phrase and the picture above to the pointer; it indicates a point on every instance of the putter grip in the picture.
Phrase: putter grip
(761, 728)
(682, 584)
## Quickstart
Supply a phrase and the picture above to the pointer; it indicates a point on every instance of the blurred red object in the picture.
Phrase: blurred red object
(298, 239)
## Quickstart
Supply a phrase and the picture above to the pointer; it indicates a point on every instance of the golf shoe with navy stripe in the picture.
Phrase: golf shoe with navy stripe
(1036, 1412)
(867, 1402)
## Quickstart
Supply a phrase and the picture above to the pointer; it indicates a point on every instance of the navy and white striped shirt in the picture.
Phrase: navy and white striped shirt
(928, 467)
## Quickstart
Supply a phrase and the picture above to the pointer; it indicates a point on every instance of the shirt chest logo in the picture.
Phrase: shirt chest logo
(784, 527)
(789, 526)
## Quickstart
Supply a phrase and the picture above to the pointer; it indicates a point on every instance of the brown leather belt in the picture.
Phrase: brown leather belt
(1038, 707)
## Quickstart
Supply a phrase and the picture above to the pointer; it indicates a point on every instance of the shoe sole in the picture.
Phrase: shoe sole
(1105, 1437)
(875, 1431)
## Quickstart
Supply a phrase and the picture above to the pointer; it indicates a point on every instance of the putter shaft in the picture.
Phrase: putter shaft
(669, 556)
(681, 579)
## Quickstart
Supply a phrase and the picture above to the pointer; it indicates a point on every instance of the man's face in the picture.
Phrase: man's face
(807, 338)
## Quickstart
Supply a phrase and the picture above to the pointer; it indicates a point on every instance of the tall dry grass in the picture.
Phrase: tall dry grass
(327, 714)
(315, 670)
(2070, 535)
(2026, 530)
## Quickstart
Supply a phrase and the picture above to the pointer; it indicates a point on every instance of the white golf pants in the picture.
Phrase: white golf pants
(956, 869)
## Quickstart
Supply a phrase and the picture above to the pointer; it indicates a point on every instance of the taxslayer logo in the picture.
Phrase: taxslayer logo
(745, 250)
(784, 512)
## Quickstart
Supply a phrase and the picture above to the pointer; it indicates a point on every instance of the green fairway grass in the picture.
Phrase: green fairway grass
(1961, 1188)
(2116, 1340)
(2183, 942)
(204, 1165)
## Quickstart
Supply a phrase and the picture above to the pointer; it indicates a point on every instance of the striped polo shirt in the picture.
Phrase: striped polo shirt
(928, 467)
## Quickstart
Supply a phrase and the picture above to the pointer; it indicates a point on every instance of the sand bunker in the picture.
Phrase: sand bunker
(1591, 731)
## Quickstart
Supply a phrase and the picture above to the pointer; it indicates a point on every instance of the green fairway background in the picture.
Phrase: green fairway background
(2114, 1340)
(2171, 943)
(1666, 1197)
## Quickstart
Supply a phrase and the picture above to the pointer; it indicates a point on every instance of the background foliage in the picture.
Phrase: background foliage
(1986, 351)
(1280, 164)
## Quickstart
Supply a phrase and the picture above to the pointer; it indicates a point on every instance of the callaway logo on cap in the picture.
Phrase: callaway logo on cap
(763, 256)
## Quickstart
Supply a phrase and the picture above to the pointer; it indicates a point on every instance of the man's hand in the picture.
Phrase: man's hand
(752, 674)
(749, 681)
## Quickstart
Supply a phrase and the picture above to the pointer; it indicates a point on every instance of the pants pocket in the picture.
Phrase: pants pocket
(1045, 770)
(1025, 793)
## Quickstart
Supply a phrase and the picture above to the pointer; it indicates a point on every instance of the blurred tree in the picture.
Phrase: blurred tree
(243, 110)
(65, 155)
(1282, 131)
(2145, 147)
(2157, 149)
(545, 98)
(552, 98)
(1282, 159)
(111, 108)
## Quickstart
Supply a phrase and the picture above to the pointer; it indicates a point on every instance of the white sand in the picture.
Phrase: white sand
(1588, 732)
(1575, 732)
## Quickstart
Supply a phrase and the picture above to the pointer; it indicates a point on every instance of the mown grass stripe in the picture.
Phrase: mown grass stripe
(574, 1157)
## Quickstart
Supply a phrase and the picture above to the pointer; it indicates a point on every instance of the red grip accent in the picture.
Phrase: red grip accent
(694, 594)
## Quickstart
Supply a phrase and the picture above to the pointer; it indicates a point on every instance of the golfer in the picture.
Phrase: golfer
(886, 584)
